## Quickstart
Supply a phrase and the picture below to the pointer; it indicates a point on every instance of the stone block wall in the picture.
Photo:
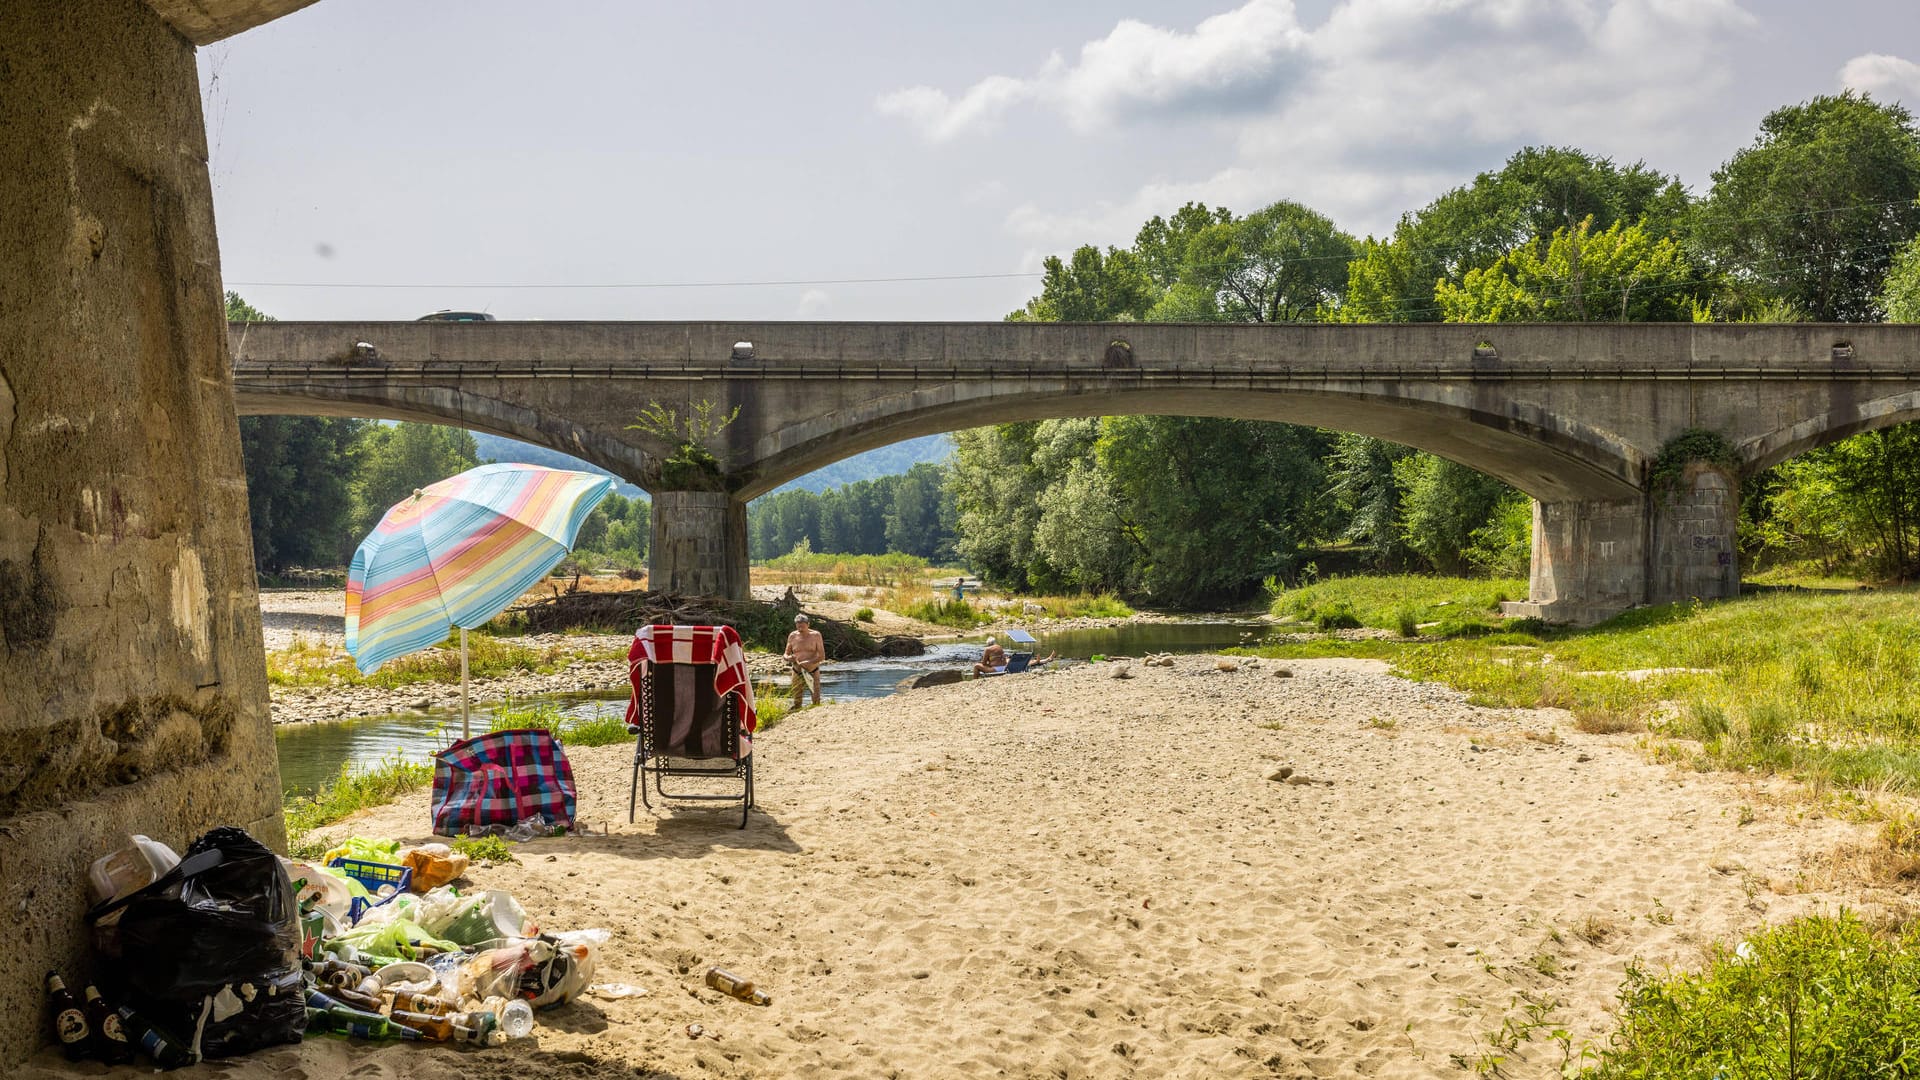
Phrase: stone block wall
(699, 544)
(132, 685)
(1695, 537)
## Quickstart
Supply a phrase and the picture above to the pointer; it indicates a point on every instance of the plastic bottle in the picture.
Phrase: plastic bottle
(109, 1037)
(516, 1019)
(70, 1026)
(734, 986)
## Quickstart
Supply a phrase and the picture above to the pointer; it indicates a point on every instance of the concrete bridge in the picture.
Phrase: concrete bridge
(1573, 415)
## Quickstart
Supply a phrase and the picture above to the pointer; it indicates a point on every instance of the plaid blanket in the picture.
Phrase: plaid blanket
(716, 645)
(502, 778)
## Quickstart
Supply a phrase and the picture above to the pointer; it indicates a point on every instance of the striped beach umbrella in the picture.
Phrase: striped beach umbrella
(456, 553)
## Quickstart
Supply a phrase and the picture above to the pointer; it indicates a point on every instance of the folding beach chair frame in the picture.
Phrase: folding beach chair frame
(648, 758)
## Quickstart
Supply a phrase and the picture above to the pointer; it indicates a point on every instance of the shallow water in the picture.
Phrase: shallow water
(311, 754)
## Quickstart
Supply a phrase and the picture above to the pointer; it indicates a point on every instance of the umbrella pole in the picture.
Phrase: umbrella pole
(466, 727)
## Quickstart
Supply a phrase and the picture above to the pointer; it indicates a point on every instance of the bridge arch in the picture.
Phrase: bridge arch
(1547, 456)
(462, 409)
(1846, 418)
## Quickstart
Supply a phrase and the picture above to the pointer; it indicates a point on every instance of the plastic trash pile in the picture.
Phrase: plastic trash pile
(232, 948)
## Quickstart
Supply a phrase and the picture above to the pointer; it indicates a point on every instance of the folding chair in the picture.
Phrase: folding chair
(692, 713)
(1016, 662)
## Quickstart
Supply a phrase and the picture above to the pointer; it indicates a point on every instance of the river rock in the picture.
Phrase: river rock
(1120, 671)
(1225, 665)
(933, 678)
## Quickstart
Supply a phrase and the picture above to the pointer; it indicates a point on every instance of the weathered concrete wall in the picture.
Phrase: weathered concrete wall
(132, 685)
(699, 544)
(1695, 537)
(1589, 560)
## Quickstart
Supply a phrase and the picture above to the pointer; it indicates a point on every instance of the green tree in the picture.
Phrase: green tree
(1538, 190)
(1162, 243)
(1813, 211)
(1284, 263)
(996, 490)
(1091, 287)
(1366, 496)
(401, 458)
(1216, 505)
(1623, 274)
(1855, 503)
(299, 471)
(1900, 297)
(920, 520)
(1445, 505)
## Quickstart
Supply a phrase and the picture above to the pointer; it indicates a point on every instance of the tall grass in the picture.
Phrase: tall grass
(602, 729)
(308, 664)
(1399, 602)
(920, 602)
(353, 790)
(809, 567)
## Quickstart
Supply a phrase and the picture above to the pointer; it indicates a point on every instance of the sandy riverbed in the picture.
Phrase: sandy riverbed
(1071, 875)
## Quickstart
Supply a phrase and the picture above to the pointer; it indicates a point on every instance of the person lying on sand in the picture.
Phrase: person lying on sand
(992, 658)
(806, 651)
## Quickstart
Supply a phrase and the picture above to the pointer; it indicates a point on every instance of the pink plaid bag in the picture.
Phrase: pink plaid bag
(502, 778)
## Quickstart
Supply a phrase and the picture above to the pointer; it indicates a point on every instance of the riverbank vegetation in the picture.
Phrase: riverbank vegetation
(488, 656)
(1822, 686)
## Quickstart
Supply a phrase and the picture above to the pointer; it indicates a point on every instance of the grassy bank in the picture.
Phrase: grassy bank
(1407, 604)
(1821, 685)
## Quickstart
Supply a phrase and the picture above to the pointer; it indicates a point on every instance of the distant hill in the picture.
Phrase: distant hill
(886, 461)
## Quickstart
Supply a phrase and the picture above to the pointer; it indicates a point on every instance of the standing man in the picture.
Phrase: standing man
(806, 651)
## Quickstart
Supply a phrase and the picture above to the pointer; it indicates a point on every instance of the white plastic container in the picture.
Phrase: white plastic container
(131, 868)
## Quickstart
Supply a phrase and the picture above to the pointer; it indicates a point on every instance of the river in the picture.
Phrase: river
(311, 754)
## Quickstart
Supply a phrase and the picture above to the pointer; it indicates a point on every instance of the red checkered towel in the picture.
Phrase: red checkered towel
(716, 645)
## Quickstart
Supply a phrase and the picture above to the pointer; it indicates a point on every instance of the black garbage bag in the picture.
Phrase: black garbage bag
(210, 952)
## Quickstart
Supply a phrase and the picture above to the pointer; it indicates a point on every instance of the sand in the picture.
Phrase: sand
(1069, 875)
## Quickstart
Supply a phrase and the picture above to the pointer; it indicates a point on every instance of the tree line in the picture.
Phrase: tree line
(1817, 219)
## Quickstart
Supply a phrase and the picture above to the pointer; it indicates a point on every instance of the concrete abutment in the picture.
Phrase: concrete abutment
(133, 691)
(1593, 559)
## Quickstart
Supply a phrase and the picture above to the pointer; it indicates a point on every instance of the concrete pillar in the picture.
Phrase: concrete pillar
(1695, 529)
(1589, 560)
(132, 686)
(699, 544)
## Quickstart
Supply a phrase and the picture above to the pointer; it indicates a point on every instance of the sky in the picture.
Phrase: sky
(896, 159)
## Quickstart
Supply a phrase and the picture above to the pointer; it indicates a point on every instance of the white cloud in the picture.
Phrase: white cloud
(1231, 61)
(1888, 78)
(1377, 109)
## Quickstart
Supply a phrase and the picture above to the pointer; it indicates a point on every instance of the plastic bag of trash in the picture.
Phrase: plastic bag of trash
(365, 849)
(210, 949)
(481, 918)
(385, 943)
(433, 865)
(562, 976)
(496, 972)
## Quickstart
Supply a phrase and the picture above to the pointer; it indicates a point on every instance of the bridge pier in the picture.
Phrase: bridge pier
(699, 544)
(1593, 559)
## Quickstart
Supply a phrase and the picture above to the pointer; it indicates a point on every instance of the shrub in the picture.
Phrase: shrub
(1818, 997)
(865, 614)
(1336, 616)
(1407, 622)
